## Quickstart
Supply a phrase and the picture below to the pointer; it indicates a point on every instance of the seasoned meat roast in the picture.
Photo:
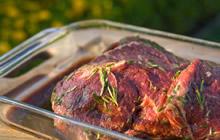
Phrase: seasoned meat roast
(138, 88)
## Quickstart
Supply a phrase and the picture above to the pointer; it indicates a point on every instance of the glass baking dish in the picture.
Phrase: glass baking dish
(25, 100)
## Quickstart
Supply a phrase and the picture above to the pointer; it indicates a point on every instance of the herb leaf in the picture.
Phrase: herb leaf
(200, 99)
(108, 110)
(156, 66)
(94, 71)
(109, 65)
(113, 94)
(70, 76)
(68, 91)
(105, 100)
(93, 107)
(203, 126)
(58, 99)
(189, 97)
(169, 99)
(160, 109)
(201, 86)
(79, 99)
(69, 106)
(182, 99)
(138, 99)
(130, 61)
(150, 60)
(102, 80)
(211, 131)
(176, 74)
(208, 113)
(128, 120)
(165, 123)
(97, 98)
(165, 90)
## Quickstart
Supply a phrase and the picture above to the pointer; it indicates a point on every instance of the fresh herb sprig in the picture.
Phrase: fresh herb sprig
(70, 76)
(97, 98)
(93, 73)
(93, 107)
(58, 100)
(200, 99)
(156, 66)
(113, 94)
(102, 75)
(201, 86)
(176, 74)
(160, 109)
(68, 91)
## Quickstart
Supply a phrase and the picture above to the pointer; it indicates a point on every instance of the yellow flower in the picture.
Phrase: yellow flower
(96, 10)
(56, 24)
(5, 33)
(19, 35)
(79, 6)
(19, 23)
(12, 11)
(44, 15)
(4, 47)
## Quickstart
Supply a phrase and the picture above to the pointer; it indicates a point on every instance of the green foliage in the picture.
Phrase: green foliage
(21, 19)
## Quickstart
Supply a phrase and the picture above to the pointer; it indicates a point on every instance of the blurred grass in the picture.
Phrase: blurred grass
(21, 19)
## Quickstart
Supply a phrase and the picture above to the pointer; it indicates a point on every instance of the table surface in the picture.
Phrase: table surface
(9, 133)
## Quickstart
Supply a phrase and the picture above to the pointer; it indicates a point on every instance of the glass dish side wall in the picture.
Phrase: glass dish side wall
(70, 44)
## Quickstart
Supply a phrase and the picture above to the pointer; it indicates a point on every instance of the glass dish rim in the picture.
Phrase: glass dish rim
(48, 36)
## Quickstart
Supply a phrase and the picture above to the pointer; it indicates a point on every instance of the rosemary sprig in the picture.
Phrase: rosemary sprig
(97, 98)
(109, 65)
(153, 87)
(58, 99)
(93, 107)
(189, 97)
(105, 100)
(98, 135)
(200, 99)
(165, 90)
(102, 80)
(122, 125)
(169, 99)
(176, 74)
(130, 61)
(150, 60)
(160, 109)
(70, 76)
(208, 113)
(201, 86)
(108, 110)
(68, 91)
(128, 120)
(79, 99)
(113, 94)
(93, 73)
(203, 126)
(70, 105)
(138, 99)
(110, 118)
(211, 131)
(156, 66)
(182, 99)
(165, 123)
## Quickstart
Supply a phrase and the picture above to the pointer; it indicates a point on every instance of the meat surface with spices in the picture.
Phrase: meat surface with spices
(138, 88)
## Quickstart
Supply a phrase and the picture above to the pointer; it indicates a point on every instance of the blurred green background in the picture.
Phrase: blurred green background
(21, 19)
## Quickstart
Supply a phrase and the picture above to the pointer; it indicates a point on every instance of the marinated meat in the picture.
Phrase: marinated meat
(138, 88)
